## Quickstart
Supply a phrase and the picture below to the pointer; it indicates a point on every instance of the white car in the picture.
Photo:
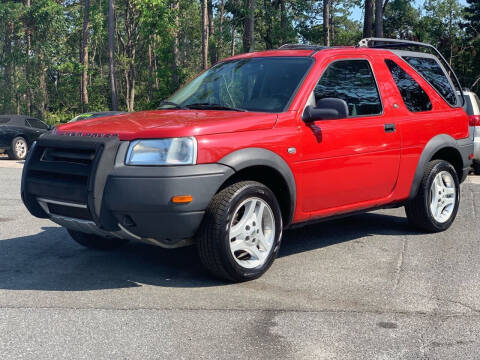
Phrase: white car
(473, 110)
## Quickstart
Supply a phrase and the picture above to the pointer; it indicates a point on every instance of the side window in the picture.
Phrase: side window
(37, 124)
(4, 120)
(430, 69)
(352, 81)
(413, 95)
(19, 122)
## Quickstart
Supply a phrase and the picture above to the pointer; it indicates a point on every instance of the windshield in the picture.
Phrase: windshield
(256, 84)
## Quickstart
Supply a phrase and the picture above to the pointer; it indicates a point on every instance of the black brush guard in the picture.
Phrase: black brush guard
(72, 170)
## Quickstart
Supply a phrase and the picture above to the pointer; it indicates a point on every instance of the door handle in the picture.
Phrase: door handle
(389, 128)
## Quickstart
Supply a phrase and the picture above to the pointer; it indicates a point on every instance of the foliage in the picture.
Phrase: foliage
(158, 44)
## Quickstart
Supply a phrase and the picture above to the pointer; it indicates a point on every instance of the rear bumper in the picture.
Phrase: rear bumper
(476, 149)
(465, 147)
(107, 197)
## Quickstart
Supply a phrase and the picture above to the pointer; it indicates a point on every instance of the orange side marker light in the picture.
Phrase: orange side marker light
(182, 199)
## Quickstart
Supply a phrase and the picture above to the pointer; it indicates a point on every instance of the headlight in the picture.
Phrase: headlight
(174, 151)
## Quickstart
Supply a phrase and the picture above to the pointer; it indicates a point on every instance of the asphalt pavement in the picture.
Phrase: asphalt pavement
(363, 287)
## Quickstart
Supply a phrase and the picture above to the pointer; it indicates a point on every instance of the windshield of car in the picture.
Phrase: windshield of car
(255, 84)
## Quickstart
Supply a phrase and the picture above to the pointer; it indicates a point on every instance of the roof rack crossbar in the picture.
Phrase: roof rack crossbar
(384, 43)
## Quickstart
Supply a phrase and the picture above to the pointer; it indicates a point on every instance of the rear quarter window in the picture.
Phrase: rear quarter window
(478, 102)
(431, 71)
(414, 97)
(468, 101)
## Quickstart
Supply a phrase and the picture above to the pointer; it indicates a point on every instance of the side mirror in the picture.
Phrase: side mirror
(326, 109)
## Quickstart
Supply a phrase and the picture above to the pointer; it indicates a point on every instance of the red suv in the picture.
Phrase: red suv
(258, 143)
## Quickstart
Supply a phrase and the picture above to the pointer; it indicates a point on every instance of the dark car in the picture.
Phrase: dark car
(17, 133)
(94, 115)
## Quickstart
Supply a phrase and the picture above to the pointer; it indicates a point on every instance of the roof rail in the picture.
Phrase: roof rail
(301, 47)
(384, 43)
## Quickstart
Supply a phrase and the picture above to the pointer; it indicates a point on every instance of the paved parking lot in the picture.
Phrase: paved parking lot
(365, 287)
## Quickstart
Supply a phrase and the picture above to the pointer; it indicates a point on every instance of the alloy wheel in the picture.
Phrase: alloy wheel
(20, 148)
(252, 233)
(443, 196)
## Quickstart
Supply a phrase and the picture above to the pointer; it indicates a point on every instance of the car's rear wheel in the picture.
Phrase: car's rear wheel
(96, 242)
(435, 206)
(241, 232)
(18, 149)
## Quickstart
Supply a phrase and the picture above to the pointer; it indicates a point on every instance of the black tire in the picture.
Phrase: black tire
(213, 236)
(96, 242)
(476, 168)
(12, 153)
(418, 209)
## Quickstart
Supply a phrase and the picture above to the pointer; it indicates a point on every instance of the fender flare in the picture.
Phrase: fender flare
(248, 157)
(434, 144)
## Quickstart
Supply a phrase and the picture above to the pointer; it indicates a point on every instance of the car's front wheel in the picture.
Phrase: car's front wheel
(241, 232)
(96, 242)
(435, 206)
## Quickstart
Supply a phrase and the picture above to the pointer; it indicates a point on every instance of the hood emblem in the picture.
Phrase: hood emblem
(94, 135)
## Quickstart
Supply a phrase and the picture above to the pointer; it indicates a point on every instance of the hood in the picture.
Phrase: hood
(171, 123)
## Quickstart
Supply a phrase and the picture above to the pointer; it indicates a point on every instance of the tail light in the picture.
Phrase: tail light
(474, 120)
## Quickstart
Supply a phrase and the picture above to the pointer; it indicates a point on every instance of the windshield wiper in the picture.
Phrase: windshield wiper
(209, 106)
(171, 103)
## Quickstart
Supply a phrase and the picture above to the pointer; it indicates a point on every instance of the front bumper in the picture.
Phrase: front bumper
(83, 184)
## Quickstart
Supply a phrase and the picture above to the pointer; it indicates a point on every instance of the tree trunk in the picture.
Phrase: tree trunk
(379, 18)
(268, 24)
(7, 67)
(332, 22)
(84, 54)
(211, 28)
(211, 34)
(28, 43)
(132, 37)
(326, 22)
(220, 28)
(150, 73)
(155, 64)
(176, 51)
(368, 21)
(283, 21)
(111, 54)
(232, 48)
(42, 80)
(248, 27)
(204, 34)
(132, 78)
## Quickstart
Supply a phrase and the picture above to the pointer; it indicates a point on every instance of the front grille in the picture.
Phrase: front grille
(61, 174)
(74, 156)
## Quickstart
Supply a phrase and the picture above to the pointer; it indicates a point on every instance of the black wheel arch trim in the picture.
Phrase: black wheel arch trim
(437, 143)
(250, 157)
